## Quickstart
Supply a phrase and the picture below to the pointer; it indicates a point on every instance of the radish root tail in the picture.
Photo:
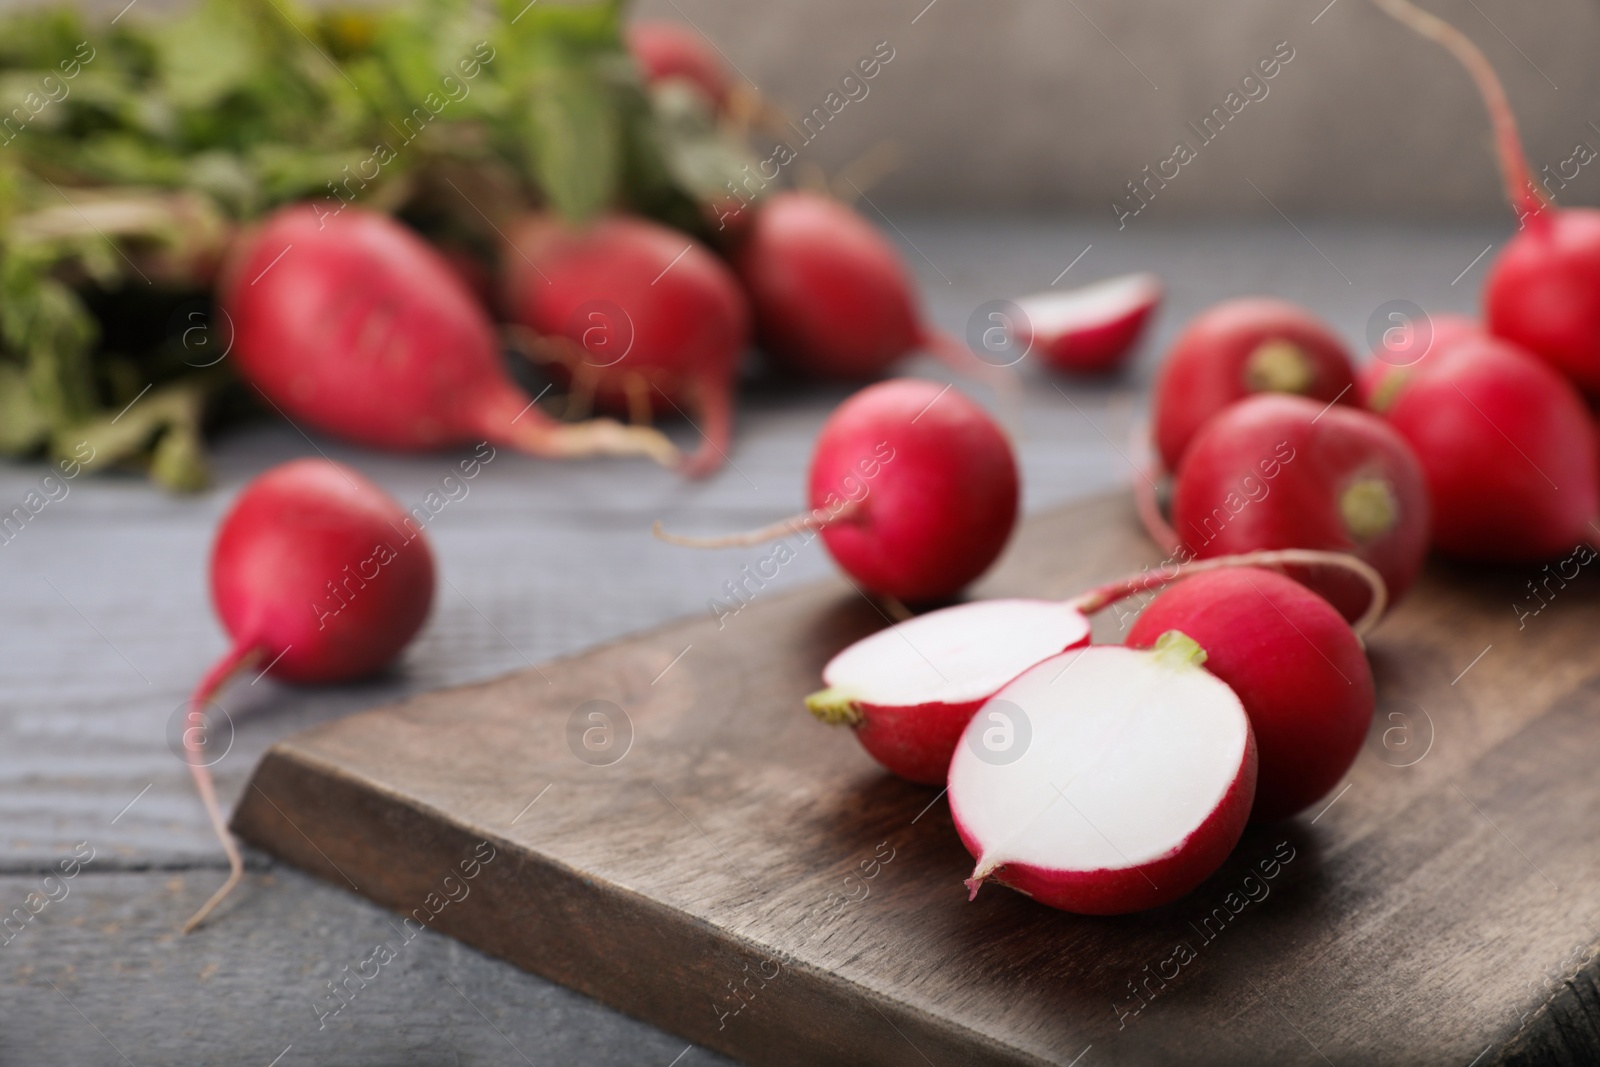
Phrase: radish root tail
(236, 658)
(819, 519)
(958, 357)
(714, 404)
(1526, 197)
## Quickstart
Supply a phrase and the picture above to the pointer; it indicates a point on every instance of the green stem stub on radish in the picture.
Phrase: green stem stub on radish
(910, 690)
(1135, 784)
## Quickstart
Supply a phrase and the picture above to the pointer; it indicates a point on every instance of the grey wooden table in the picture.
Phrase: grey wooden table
(107, 625)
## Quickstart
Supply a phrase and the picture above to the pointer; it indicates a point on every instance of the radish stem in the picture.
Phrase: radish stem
(1526, 197)
(819, 519)
(242, 653)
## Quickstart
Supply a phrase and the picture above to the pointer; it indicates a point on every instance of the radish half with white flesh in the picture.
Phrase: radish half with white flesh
(911, 689)
(1090, 330)
(1106, 780)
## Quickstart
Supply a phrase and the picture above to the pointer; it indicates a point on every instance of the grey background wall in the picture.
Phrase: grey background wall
(1053, 105)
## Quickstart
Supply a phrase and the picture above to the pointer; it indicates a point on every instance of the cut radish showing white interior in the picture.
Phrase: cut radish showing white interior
(1089, 330)
(910, 690)
(1105, 780)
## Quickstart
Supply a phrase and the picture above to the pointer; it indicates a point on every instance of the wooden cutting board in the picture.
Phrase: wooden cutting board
(724, 866)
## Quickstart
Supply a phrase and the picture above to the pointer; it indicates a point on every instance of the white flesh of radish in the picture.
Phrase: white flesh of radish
(954, 655)
(1055, 315)
(1129, 754)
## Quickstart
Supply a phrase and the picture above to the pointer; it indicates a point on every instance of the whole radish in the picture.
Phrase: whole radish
(1508, 449)
(352, 324)
(1392, 365)
(1541, 289)
(639, 316)
(319, 577)
(913, 488)
(909, 690)
(1239, 348)
(666, 50)
(1294, 662)
(1105, 780)
(1286, 472)
(1090, 330)
(831, 297)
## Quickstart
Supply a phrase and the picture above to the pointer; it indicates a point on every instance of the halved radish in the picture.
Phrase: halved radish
(1090, 330)
(911, 689)
(1133, 782)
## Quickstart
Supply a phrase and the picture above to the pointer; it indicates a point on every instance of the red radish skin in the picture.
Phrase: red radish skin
(909, 690)
(1387, 370)
(321, 577)
(1508, 449)
(1090, 330)
(352, 324)
(1294, 662)
(832, 298)
(666, 50)
(1239, 348)
(1136, 783)
(641, 317)
(1540, 292)
(913, 487)
(1275, 472)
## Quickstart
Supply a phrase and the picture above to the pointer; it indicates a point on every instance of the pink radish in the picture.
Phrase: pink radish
(1238, 348)
(831, 296)
(1541, 290)
(910, 690)
(1092, 329)
(666, 50)
(1277, 471)
(1105, 780)
(352, 324)
(1295, 664)
(639, 316)
(1508, 449)
(319, 576)
(913, 487)
(1389, 368)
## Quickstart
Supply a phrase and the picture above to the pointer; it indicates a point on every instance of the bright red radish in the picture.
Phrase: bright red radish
(832, 298)
(910, 690)
(1293, 661)
(1391, 366)
(1508, 450)
(666, 50)
(913, 487)
(1105, 780)
(1241, 347)
(641, 317)
(1090, 330)
(319, 577)
(1286, 472)
(1541, 290)
(352, 324)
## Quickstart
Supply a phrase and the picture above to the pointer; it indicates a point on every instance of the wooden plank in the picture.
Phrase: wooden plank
(694, 882)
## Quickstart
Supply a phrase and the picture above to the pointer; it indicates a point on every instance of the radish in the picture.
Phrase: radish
(910, 690)
(319, 575)
(1240, 347)
(1541, 289)
(831, 296)
(913, 488)
(1392, 365)
(353, 324)
(666, 50)
(1105, 780)
(1508, 449)
(639, 316)
(1287, 472)
(1090, 330)
(1295, 664)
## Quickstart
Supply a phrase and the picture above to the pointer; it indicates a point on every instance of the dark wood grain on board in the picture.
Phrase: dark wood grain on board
(1437, 910)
